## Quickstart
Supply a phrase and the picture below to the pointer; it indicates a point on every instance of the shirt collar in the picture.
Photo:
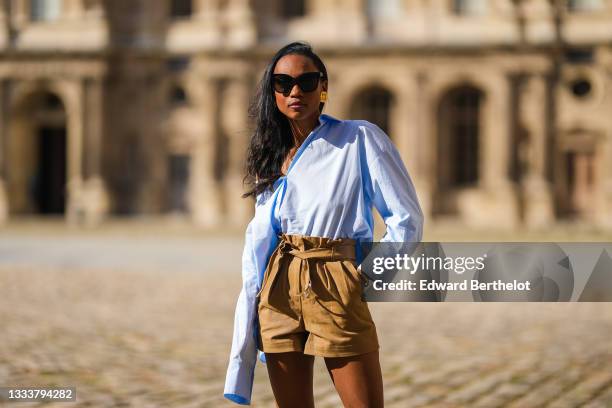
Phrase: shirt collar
(323, 117)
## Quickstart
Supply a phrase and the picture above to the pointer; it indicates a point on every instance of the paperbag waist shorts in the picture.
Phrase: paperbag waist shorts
(311, 299)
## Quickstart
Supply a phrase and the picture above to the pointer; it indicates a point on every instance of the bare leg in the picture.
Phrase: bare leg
(291, 379)
(358, 380)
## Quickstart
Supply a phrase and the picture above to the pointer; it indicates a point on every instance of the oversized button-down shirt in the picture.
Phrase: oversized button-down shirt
(341, 170)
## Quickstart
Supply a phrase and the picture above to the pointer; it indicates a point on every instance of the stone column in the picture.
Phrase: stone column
(400, 117)
(604, 213)
(93, 122)
(204, 195)
(351, 20)
(4, 26)
(537, 191)
(204, 8)
(495, 136)
(72, 9)
(494, 202)
(494, 171)
(241, 22)
(317, 7)
(234, 123)
(207, 13)
(603, 167)
(406, 116)
(423, 136)
(20, 13)
(73, 91)
(4, 117)
(96, 199)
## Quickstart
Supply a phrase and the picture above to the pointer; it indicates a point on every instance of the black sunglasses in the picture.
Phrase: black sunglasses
(307, 82)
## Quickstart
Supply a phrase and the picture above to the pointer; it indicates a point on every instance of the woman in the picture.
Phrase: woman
(315, 179)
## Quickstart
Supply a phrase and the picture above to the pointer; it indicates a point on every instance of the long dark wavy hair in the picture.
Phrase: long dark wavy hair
(271, 139)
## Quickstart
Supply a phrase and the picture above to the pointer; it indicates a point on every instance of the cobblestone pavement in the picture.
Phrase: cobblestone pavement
(159, 337)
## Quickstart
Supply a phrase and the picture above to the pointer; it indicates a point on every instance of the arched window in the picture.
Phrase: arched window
(374, 105)
(584, 5)
(293, 8)
(44, 183)
(45, 10)
(384, 8)
(469, 7)
(458, 140)
(177, 96)
(181, 8)
(178, 166)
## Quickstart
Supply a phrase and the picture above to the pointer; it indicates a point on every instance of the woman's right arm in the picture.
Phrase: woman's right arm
(260, 241)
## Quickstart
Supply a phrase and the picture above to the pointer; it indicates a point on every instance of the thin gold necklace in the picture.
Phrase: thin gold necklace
(294, 131)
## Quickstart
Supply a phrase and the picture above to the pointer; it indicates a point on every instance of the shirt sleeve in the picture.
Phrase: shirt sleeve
(389, 187)
(260, 241)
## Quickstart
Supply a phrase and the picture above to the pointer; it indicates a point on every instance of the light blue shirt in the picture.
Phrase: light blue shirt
(342, 168)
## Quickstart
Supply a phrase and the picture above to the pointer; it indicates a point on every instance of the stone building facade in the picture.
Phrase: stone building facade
(502, 110)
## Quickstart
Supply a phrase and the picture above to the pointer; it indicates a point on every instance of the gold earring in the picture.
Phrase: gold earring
(323, 96)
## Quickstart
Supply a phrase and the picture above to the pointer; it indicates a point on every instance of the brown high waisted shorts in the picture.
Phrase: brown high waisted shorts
(311, 299)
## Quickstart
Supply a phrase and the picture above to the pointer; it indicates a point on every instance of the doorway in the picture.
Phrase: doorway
(49, 189)
(178, 182)
(580, 182)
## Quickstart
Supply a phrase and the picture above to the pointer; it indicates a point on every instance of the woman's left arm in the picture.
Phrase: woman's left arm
(389, 186)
